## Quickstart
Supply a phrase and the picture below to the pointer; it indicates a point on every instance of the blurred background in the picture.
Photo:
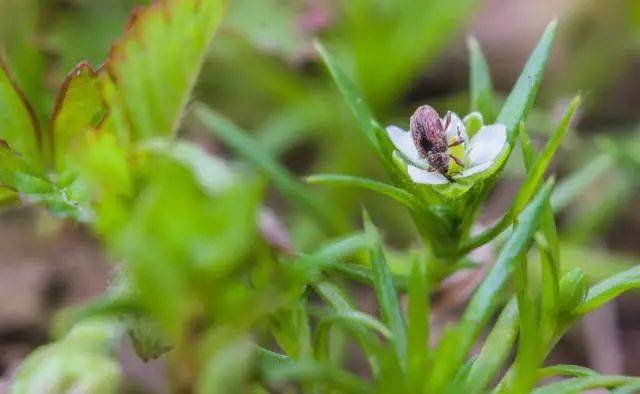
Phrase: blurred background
(263, 73)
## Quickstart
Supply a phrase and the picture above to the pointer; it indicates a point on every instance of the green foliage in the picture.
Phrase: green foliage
(214, 284)
(83, 361)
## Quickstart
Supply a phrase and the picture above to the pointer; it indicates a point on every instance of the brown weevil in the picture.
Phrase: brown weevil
(430, 139)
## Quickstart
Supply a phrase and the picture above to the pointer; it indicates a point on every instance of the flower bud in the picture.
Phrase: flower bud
(573, 290)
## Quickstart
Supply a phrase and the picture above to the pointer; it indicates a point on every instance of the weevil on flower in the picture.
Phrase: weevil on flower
(439, 150)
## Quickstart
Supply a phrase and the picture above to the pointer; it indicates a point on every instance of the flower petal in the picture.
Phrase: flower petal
(487, 144)
(455, 127)
(419, 175)
(403, 141)
(476, 169)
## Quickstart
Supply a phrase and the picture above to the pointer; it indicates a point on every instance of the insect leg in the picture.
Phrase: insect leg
(458, 141)
(458, 161)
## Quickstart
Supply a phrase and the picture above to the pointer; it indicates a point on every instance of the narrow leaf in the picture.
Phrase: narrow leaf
(455, 345)
(566, 370)
(482, 99)
(334, 296)
(418, 325)
(351, 94)
(530, 184)
(400, 195)
(524, 92)
(386, 293)
(539, 167)
(582, 384)
(609, 289)
(495, 351)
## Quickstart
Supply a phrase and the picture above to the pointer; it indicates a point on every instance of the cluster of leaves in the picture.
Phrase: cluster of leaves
(237, 312)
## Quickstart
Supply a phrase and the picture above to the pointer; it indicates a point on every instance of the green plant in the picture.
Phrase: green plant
(199, 281)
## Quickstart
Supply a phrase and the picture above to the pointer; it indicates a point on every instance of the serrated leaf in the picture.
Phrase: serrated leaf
(18, 126)
(79, 107)
(523, 94)
(156, 63)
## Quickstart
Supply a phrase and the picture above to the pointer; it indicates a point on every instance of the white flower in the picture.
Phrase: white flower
(477, 154)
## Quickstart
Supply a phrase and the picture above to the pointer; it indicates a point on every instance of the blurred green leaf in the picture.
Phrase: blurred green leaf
(575, 184)
(272, 26)
(312, 371)
(228, 369)
(83, 362)
(331, 220)
(20, 36)
(390, 42)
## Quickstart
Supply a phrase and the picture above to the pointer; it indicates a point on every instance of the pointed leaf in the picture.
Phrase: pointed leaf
(418, 325)
(400, 195)
(609, 289)
(524, 92)
(386, 293)
(582, 384)
(482, 99)
(456, 343)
